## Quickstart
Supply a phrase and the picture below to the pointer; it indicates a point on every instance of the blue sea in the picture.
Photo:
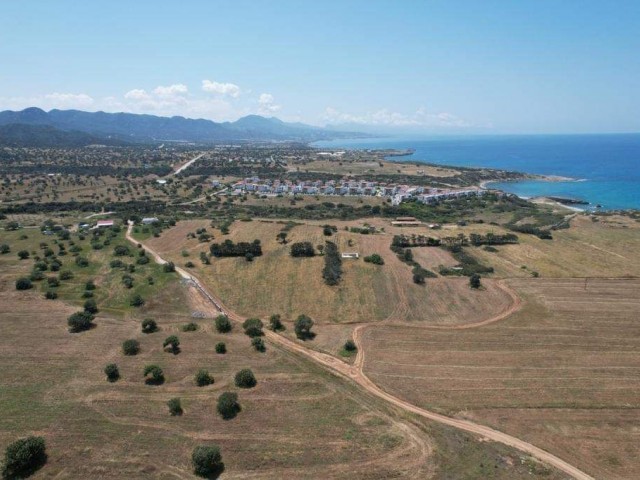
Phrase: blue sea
(605, 169)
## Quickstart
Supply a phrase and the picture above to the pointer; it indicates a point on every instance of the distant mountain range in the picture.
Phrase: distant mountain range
(33, 127)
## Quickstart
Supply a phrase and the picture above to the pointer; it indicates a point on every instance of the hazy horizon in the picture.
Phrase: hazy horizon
(418, 68)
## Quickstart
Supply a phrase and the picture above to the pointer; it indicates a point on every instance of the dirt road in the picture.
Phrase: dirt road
(355, 373)
(188, 164)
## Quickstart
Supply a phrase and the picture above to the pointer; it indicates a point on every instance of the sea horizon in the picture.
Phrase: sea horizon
(603, 168)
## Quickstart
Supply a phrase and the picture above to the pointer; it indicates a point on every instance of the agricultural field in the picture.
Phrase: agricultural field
(373, 167)
(562, 373)
(54, 385)
(278, 283)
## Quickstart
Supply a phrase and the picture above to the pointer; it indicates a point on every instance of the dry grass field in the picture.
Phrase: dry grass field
(606, 248)
(278, 283)
(563, 373)
(375, 167)
(298, 422)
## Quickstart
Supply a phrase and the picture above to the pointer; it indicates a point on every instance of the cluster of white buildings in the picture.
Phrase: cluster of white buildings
(397, 193)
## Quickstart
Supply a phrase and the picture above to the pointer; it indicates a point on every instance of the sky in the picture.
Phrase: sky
(479, 66)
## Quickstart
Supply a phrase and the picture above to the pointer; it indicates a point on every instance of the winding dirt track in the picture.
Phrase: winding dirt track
(355, 373)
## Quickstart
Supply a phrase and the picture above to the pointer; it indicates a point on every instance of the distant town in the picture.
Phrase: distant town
(396, 192)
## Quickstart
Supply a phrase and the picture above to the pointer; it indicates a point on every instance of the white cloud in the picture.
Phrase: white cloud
(267, 105)
(216, 101)
(384, 117)
(69, 100)
(49, 101)
(171, 90)
(230, 89)
(137, 94)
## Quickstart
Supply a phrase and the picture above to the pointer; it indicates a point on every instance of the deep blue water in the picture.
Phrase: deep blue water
(606, 168)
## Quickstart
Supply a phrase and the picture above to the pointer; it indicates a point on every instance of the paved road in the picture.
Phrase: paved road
(355, 373)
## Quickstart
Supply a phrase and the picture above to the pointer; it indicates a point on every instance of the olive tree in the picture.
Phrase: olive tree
(206, 460)
(245, 379)
(23, 457)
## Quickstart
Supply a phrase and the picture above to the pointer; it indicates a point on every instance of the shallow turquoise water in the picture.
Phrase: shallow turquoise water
(606, 167)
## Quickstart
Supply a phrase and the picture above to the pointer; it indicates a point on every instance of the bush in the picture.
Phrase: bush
(302, 249)
(121, 251)
(206, 461)
(169, 267)
(189, 264)
(175, 407)
(375, 259)
(80, 321)
(23, 284)
(221, 348)
(303, 327)
(153, 375)
(203, 378)
(223, 325)
(23, 254)
(136, 301)
(36, 275)
(350, 346)
(149, 325)
(112, 372)
(4, 249)
(230, 249)
(66, 275)
(23, 457)
(90, 306)
(228, 406)
(143, 260)
(253, 327)
(258, 344)
(82, 262)
(90, 285)
(51, 295)
(53, 282)
(130, 347)
(173, 342)
(190, 327)
(87, 294)
(245, 379)
(474, 281)
(332, 270)
(275, 323)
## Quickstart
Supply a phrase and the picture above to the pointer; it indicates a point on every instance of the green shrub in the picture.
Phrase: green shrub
(474, 281)
(112, 372)
(23, 457)
(130, 347)
(90, 285)
(23, 284)
(66, 275)
(173, 344)
(223, 325)
(258, 344)
(221, 348)
(153, 375)
(228, 406)
(51, 295)
(253, 327)
(303, 327)
(245, 379)
(136, 301)
(80, 321)
(190, 327)
(175, 407)
(375, 259)
(203, 378)
(206, 461)
(149, 325)
(90, 306)
(275, 323)
(23, 254)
